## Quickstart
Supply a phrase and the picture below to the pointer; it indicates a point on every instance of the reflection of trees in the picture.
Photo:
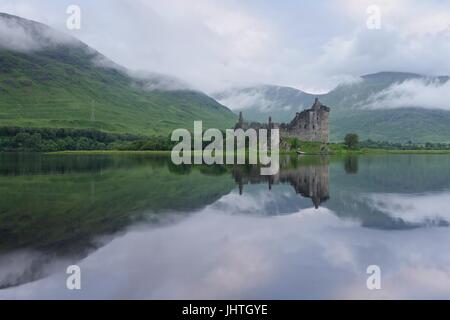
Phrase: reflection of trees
(351, 165)
(32, 206)
(181, 169)
(310, 180)
(59, 205)
(21, 164)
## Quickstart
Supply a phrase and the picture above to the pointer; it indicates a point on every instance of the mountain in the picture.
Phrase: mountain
(49, 79)
(386, 106)
(261, 102)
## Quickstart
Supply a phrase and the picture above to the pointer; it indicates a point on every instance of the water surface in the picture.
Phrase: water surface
(141, 227)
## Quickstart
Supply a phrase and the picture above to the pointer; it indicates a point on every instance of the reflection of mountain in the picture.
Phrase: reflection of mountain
(310, 181)
(60, 205)
(75, 198)
(384, 192)
(391, 192)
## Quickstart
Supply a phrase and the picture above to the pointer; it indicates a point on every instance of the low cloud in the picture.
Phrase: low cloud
(250, 100)
(151, 81)
(215, 46)
(418, 93)
(18, 35)
(14, 36)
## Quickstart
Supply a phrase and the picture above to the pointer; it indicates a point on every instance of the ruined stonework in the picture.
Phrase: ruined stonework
(309, 181)
(308, 125)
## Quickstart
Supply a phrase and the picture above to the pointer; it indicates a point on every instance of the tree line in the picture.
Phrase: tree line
(352, 142)
(59, 139)
(403, 146)
(63, 139)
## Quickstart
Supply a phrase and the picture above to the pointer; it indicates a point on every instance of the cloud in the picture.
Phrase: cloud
(216, 254)
(216, 45)
(18, 36)
(253, 99)
(420, 209)
(14, 37)
(154, 81)
(422, 93)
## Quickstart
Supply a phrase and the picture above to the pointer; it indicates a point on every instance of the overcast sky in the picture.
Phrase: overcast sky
(213, 45)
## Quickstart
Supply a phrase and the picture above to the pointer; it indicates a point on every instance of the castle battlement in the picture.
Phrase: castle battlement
(308, 125)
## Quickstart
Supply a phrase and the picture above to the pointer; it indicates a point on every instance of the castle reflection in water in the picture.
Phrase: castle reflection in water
(310, 180)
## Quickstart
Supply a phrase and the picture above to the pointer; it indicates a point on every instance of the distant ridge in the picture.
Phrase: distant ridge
(49, 79)
(349, 108)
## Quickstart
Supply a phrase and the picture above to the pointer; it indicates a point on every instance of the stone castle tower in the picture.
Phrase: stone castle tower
(308, 125)
(309, 181)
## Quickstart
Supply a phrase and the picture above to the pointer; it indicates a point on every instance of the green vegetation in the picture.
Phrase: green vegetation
(64, 86)
(350, 111)
(369, 147)
(385, 145)
(48, 139)
(312, 147)
(343, 149)
(61, 140)
(65, 201)
(294, 143)
(397, 125)
(351, 140)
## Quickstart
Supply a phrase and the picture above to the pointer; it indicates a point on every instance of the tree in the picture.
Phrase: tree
(352, 140)
(26, 141)
(295, 144)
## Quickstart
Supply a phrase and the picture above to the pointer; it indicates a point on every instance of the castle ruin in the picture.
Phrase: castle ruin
(308, 125)
(308, 180)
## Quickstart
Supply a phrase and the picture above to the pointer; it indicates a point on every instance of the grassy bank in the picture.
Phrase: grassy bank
(385, 151)
(100, 152)
(314, 148)
(332, 149)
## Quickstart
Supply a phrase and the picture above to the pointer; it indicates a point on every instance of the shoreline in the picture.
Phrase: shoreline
(340, 153)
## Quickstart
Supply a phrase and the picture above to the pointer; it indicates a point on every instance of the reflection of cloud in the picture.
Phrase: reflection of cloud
(245, 203)
(426, 208)
(255, 200)
(413, 93)
(214, 254)
(24, 266)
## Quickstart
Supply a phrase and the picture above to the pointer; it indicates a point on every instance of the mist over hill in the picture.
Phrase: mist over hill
(386, 106)
(52, 80)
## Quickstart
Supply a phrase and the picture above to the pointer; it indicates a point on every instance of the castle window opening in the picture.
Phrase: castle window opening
(308, 125)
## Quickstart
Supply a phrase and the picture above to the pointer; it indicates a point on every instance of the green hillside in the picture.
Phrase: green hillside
(348, 109)
(62, 85)
(397, 125)
(261, 102)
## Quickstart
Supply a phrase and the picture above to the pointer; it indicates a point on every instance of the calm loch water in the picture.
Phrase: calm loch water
(140, 227)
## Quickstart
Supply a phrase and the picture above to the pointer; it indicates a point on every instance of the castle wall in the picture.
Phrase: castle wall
(309, 125)
(310, 181)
